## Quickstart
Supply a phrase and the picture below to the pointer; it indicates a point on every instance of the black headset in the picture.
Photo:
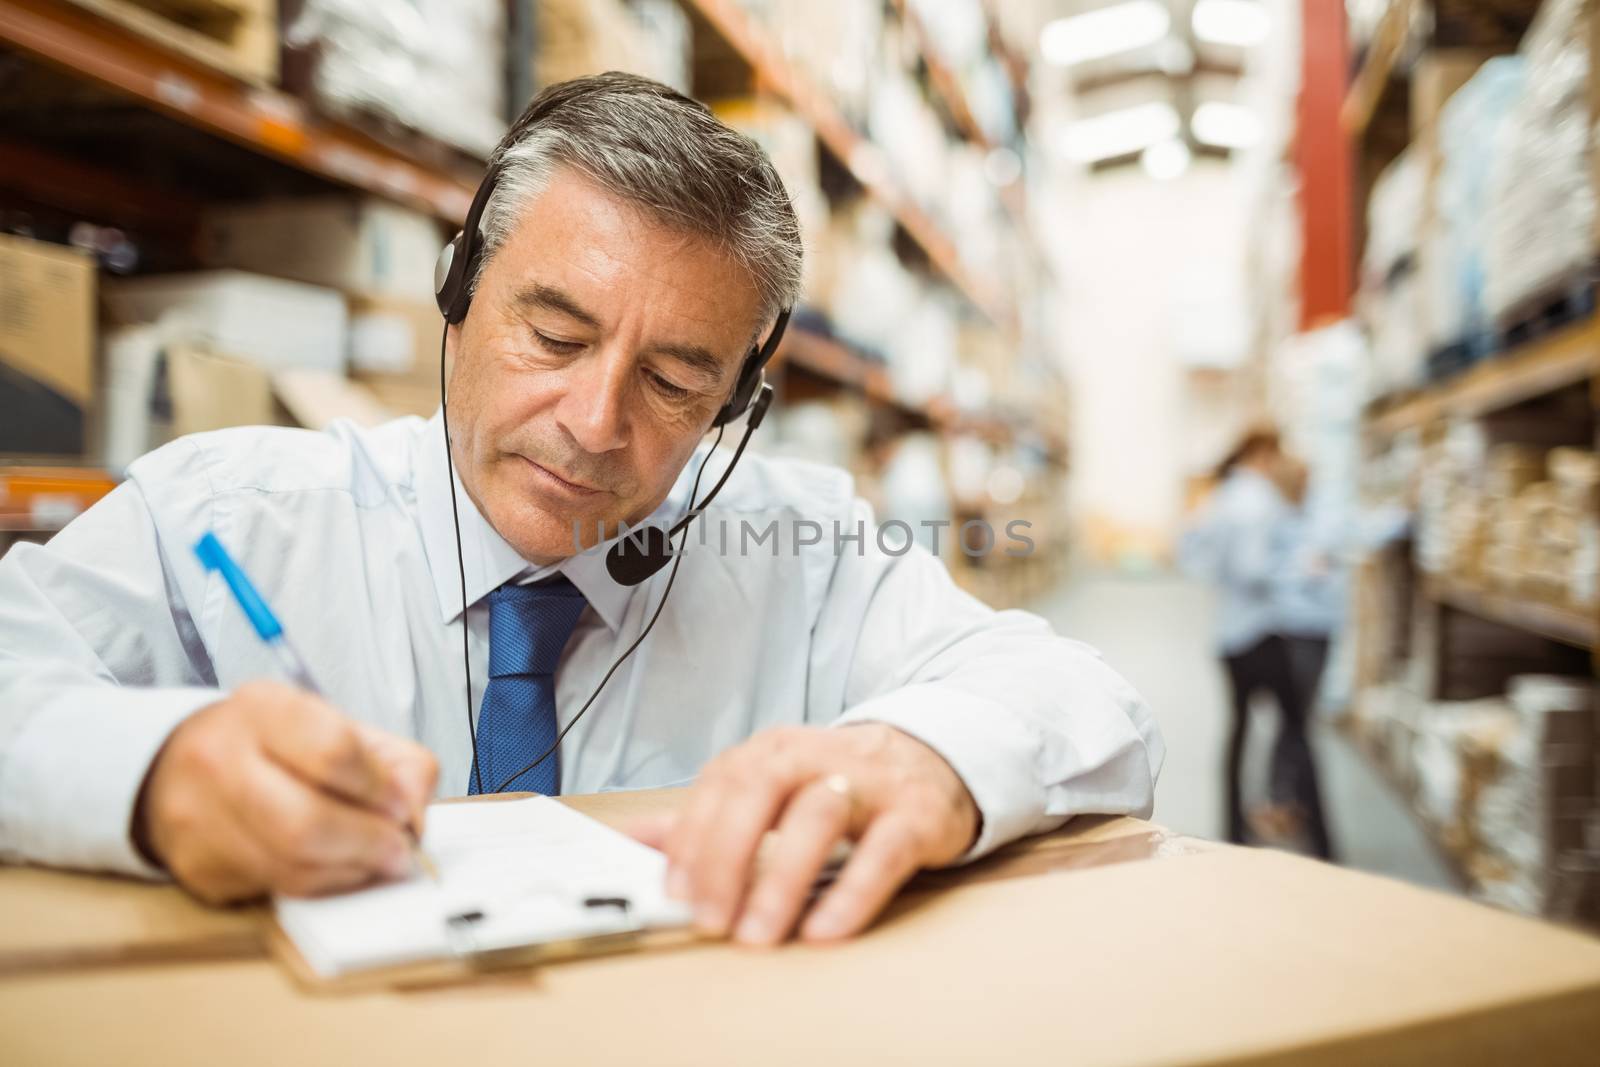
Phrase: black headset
(645, 550)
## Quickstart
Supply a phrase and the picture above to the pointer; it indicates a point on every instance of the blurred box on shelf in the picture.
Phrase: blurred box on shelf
(579, 37)
(212, 391)
(159, 388)
(269, 321)
(1543, 220)
(47, 338)
(1435, 77)
(239, 37)
(359, 245)
(395, 339)
(433, 66)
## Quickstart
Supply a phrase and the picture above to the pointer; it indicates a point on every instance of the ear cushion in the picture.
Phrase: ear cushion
(749, 380)
(450, 282)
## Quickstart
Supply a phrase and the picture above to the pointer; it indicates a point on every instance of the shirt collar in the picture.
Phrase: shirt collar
(489, 560)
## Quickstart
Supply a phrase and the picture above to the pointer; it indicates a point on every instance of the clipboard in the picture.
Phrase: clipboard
(466, 961)
(469, 968)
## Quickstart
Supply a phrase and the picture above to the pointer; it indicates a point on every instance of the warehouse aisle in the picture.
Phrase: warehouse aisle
(1156, 632)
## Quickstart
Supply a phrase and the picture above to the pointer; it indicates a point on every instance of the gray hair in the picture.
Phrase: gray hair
(647, 143)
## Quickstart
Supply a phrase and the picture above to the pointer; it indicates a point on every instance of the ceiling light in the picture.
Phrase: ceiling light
(1239, 23)
(1118, 133)
(1226, 125)
(1105, 32)
(1166, 159)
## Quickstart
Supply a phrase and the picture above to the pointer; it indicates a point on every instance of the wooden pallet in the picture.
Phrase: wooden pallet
(238, 37)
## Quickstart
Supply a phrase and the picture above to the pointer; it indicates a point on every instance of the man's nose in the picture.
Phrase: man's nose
(594, 409)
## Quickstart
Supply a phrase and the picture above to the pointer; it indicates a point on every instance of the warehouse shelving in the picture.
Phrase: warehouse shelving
(1561, 359)
(947, 84)
(864, 161)
(829, 359)
(264, 120)
(174, 81)
(1383, 57)
(1420, 635)
(1567, 625)
(1372, 753)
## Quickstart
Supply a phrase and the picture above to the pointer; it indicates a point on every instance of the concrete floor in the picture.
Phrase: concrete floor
(1156, 632)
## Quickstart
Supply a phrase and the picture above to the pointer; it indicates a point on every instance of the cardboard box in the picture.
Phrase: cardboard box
(47, 335)
(211, 391)
(395, 340)
(275, 324)
(1121, 945)
(356, 245)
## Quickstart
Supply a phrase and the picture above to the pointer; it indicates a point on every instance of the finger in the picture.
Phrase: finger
(720, 869)
(301, 826)
(757, 785)
(705, 797)
(411, 771)
(816, 819)
(777, 757)
(885, 857)
(652, 830)
(315, 741)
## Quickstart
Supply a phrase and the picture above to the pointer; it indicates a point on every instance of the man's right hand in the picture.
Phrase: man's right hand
(274, 790)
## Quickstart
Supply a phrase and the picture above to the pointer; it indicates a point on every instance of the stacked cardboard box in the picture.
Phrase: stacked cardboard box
(1535, 798)
(1521, 520)
(47, 331)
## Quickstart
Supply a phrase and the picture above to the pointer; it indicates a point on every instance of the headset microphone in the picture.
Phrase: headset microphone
(643, 552)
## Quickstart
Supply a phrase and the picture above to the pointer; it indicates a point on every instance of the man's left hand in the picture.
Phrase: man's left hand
(897, 799)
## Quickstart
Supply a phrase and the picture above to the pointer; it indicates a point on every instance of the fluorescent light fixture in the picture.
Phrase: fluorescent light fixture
(1240, 23)
(1166, 160)
(1104, 32)
(1226, 125)
(1118, 133)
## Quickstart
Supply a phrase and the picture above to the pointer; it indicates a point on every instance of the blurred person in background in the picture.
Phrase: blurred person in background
(1245, 540)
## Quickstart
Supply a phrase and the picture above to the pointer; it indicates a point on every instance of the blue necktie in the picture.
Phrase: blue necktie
(528, 627)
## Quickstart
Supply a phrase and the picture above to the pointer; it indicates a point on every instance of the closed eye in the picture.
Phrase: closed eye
(668, 389)
(560, 348)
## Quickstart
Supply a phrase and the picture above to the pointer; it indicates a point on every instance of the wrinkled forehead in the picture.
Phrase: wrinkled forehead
(612, 258)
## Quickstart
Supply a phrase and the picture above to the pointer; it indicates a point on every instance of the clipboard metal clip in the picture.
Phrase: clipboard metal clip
(464, 943)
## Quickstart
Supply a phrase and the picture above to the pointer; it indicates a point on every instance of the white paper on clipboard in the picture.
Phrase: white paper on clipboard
(512, 873)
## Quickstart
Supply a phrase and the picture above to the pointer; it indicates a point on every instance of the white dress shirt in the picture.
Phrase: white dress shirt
(113, 632)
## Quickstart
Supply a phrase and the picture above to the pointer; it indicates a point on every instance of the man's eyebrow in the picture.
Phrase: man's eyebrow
(552, 299)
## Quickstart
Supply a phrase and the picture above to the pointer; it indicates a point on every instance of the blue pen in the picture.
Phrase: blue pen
(270, 630)
(266, 624)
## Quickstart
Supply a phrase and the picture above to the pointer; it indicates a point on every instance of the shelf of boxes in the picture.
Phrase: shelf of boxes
(1554, 621)
(864, 161)
(1562, 359)
(947, 84)
(1498, 455)
(179, 84)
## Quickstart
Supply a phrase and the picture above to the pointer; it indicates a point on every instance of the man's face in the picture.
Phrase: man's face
(598, 347)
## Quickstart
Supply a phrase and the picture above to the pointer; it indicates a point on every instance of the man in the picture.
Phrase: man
(634, 250)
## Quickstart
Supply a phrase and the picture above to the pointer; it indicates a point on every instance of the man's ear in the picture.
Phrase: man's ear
(452, 343)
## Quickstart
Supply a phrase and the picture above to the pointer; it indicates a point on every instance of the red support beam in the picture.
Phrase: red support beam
(1322, 158)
